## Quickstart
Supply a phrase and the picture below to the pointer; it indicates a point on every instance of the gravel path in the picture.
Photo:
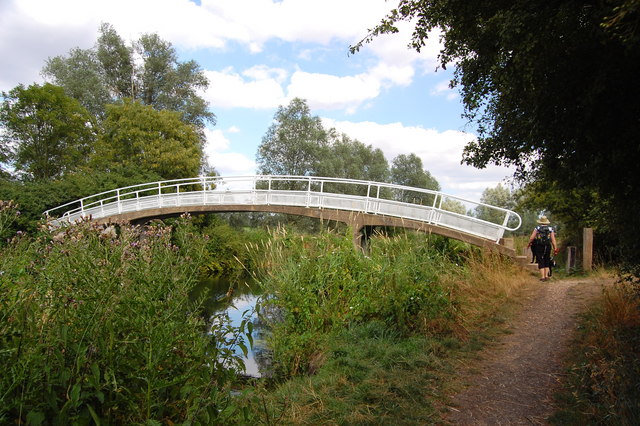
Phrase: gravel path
(515, 380)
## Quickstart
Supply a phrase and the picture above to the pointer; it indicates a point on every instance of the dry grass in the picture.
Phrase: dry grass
(488, 282)
(602, 386)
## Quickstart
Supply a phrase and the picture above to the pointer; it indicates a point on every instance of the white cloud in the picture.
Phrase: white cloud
(318, 21)
(324, 91)
(228, 89)
(32, 30)
(226, 163)
(441, 153)
(443, 89)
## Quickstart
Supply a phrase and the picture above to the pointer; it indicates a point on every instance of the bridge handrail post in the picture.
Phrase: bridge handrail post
(433, 208)
(203, 183)
(254, 191)
(82, 208)
(308, 191)
(119, 201)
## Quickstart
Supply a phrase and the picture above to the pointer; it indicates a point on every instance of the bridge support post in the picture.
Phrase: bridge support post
(361, 236)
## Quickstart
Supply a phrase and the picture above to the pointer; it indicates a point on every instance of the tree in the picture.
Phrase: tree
(351, 159)
(407, 170)
(294, 144)
(500, 196)
(45, 133)
(552, 87)
(149, 72)
(117, 63)
(80, 74)
(136, 135)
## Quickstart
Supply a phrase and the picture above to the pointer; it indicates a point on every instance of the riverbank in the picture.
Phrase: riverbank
(369, 371)
(506, 368)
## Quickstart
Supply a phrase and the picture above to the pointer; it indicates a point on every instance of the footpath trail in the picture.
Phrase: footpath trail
(515, 380)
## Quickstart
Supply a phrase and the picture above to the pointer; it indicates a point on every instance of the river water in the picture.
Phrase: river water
(243, 294)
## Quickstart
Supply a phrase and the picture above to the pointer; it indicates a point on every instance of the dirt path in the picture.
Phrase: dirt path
(515, 380)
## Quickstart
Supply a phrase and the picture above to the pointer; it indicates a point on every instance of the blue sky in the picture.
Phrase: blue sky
(259, 54)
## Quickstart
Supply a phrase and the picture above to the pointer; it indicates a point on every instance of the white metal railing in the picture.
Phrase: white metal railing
(376, 198)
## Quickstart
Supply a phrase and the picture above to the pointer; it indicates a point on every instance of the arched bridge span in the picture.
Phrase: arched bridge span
(355, 202)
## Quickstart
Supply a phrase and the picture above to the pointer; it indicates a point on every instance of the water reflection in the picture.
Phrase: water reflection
(235, 295)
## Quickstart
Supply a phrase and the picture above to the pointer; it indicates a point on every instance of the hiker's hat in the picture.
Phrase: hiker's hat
(543, 221)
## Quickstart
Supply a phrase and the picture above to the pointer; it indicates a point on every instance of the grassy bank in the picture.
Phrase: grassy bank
(602, 385)
(374, 339)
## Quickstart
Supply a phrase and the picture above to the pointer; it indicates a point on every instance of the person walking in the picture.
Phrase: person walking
(544, 238)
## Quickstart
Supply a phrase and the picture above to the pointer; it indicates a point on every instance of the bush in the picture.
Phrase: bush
(97, 324)
(318, 284)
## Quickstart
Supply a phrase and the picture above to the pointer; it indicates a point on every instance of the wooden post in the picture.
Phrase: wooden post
(587, 249)
(571, 258)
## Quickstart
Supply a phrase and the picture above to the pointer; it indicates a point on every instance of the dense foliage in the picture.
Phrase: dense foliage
(45, 132)
(99, 324)
(298, 144)
(553, 89)
(135, 135)
(318, 285)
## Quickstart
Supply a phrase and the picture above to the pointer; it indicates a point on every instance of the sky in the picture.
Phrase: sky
(260, 54)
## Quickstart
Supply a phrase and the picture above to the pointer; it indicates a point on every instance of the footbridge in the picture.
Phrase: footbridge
(360, 204)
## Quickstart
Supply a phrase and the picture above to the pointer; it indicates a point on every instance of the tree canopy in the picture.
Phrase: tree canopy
(552, 87)
(298, 144)
(137, 135)
(293, 143)
(148, 71)
(45, 132)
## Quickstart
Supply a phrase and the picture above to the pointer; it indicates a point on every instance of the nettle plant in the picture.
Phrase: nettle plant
(98, 324)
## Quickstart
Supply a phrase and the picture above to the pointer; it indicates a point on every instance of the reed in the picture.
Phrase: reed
(96, 325)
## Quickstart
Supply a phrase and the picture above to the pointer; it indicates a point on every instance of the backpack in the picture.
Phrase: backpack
(544, 234)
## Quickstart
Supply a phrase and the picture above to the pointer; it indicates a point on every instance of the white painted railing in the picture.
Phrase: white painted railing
(376, 198)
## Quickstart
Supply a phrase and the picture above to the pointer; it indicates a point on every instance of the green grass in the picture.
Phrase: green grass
(376, 365)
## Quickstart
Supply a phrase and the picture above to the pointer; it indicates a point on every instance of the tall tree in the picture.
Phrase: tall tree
(552, 87)
(138, 136)
(294, 144)
(44, 132)
(500, 196)
(351, 159)
(407, 170)
(81, 75)
(149, 71)
(117, 63)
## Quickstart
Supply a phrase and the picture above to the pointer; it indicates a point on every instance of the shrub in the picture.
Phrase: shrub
(97, 324)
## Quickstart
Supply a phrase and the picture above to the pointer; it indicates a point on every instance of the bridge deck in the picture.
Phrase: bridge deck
(358, 203)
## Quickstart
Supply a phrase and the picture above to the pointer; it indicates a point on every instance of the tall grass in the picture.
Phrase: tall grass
(603, 385)
(319, 284)
(96, 325)
(373, 339)
(483, 287)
